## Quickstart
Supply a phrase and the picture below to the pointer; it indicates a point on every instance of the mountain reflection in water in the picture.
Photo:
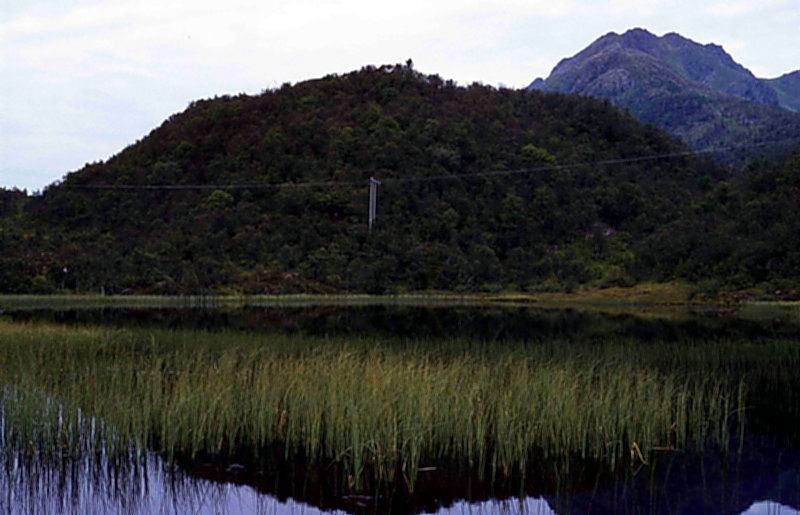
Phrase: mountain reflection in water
(764, 479)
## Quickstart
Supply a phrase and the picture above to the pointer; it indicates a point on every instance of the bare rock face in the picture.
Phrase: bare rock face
(617, 81)
(697, 92)
(706, 65)
(788, 88)
(537, 84)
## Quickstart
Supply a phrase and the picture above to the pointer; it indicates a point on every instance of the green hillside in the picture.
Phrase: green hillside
(743, 232)
(482, 190)
(442, 222)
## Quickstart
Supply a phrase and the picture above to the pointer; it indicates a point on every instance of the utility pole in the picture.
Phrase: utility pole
(373, 200)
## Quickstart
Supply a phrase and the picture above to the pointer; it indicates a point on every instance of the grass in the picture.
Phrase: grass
(378, 409)
(673, 293)
(645, 294)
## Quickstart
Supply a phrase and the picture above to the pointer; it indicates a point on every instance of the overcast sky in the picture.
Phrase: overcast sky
(82, 79)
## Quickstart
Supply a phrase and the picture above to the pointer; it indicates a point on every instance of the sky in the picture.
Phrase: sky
(82, 79)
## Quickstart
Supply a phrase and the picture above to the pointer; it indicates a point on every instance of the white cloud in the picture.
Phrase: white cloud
(82, 79)
(744, 8)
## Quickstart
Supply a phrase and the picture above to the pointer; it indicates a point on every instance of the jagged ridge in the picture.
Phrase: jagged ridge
(696, 92)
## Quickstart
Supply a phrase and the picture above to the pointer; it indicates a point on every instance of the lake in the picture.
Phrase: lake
(747, 463)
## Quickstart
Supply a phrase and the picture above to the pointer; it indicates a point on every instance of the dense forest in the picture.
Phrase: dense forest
(483, 189)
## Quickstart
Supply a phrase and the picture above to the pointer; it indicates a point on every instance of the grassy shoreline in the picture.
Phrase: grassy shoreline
(651, 299)
(634, 297)
(380, 409)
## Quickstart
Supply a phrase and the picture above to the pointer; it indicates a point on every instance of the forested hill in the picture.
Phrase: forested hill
(446, 218)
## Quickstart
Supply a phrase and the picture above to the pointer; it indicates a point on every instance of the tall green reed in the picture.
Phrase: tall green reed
(375, 407)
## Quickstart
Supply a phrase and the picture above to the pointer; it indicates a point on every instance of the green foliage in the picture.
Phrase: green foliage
(743, 232)
(534, 154)
(375, 409)
(554, 227)
(218, 200)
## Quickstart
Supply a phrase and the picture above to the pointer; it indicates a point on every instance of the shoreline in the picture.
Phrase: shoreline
(642, 298)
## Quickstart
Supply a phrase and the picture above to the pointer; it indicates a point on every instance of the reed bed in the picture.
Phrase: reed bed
(90, 301)
(376, 408)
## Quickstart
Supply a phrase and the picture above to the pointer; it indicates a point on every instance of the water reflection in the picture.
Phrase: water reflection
(769, 508)
(760, 481)
(148, 486)
(716, 482)
(765, 478)
(443, 321)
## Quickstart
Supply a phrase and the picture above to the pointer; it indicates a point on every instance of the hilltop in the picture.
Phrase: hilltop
(483, 189)
(696, 92)
(446, 219)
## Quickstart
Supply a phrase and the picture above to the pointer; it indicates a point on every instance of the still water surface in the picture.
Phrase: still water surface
(763, 478)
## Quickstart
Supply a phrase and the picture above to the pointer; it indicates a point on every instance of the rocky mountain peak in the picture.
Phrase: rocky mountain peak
(696, 91)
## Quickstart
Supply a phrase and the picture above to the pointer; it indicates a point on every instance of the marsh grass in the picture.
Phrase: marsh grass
(379, 409)
(89, 301)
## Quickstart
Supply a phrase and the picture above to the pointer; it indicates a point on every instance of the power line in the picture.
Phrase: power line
(239, 186)
(422, 178)
(653, 157)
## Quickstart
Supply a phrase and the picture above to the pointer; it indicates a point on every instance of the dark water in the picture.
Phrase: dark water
(442, 321)
(763, 478)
